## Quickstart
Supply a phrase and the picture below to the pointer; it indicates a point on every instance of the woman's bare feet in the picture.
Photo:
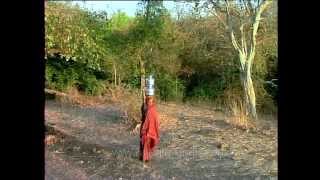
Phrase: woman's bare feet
(145, 164)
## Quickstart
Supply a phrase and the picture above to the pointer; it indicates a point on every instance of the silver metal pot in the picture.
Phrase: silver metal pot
(150, 86)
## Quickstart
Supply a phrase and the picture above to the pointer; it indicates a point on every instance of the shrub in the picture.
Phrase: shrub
(90, 85)
(63, 75)
(168, 87)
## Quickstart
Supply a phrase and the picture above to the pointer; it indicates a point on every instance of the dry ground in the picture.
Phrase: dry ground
(196, 143)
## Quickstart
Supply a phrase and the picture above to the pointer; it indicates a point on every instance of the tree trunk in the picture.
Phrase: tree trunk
(142, 79)
(176, 86)
(50, 91)
(119, 79)
(115, 74)
(246, 56)
(249, 94)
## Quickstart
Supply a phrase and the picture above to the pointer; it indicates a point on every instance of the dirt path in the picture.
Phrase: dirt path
(92, 143)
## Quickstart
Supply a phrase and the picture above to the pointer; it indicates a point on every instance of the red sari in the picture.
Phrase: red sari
(149, 133)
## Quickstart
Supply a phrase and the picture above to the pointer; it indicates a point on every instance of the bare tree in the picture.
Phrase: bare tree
(241, 19)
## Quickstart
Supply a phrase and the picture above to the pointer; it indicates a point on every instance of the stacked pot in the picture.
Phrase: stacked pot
(150, 86)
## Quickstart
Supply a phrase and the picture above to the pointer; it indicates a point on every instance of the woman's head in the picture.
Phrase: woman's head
(150, 100)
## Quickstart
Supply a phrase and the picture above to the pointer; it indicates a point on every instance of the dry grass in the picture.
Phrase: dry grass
(239, 115)
(236, 109)
(75, 97)
(167, 122)
(129, 102)
(126, 99)
(50, 139)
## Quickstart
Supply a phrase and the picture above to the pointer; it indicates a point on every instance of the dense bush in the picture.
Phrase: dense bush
(168, 87)
(62, 75)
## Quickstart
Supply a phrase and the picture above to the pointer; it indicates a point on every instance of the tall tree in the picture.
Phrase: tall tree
(150, 23)
(241, 19)
(72, 32)
(116, 41)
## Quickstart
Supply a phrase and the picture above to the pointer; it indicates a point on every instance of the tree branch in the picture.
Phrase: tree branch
(234, 41)
(247, 7)
(243, 40)
(220, 19)
(257, 19)
(230, 28)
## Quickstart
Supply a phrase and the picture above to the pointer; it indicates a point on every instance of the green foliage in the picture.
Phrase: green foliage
(134, 78)
(208, 90)
(90, 85)
(192, 58)
(168, 87)
(62, 75)
(72, 32)
(150, 19)
(119, 21)
(59, 75)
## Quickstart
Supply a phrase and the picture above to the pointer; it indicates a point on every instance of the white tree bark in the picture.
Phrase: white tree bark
(247, 81)
(115, 74)
(249, 93)
(119, 79)
(245, 56)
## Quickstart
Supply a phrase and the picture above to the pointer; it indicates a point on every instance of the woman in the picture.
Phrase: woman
(149, 130)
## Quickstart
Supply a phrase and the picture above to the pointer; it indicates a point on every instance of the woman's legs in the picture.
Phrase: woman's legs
(141, 151)
(146, 150)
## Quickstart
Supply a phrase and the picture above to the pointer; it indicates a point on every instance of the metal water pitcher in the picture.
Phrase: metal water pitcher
(150, 86)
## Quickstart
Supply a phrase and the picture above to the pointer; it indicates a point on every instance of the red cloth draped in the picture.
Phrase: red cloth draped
(149, 133)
